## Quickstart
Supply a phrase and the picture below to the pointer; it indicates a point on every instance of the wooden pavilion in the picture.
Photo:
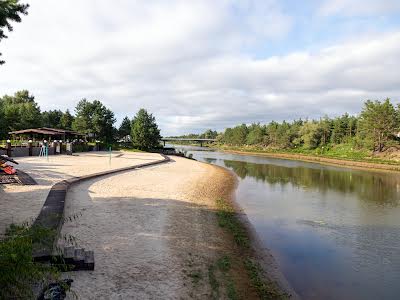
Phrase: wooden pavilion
(45, 133)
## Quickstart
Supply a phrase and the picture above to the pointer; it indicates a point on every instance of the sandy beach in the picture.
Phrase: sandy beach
(151, 230)
(20, 204)
(154, 230)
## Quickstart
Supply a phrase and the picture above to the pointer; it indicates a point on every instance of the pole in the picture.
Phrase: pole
(110, 150)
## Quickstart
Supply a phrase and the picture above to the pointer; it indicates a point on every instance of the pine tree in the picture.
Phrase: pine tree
(145, 133)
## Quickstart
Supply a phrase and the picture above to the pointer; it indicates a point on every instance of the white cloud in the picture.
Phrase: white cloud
(358, 7)
(185, 62)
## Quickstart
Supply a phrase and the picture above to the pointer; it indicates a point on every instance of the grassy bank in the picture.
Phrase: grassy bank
(264, 287)
(343, 155)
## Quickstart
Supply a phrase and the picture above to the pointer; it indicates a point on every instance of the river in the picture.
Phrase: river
(334, 231)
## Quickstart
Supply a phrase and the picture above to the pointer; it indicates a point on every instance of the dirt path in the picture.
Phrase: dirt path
(154, 233)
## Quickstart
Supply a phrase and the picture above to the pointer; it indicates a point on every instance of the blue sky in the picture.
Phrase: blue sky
(207, 63)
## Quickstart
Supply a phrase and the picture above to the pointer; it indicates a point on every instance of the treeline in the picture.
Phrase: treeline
(208, 134)
(375, 128)
(93, 118)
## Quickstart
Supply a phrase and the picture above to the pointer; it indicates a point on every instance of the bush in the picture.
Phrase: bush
(18, 272)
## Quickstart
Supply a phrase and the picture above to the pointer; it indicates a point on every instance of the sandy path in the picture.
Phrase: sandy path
(23, 203)
(151, 230)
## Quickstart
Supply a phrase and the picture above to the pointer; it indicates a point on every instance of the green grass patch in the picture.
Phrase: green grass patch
(18, 272)
(266, 290)
(227, 219)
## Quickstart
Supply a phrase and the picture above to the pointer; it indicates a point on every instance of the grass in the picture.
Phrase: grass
(223, 266)
(227, 219)
(266, 289)
(18, 272)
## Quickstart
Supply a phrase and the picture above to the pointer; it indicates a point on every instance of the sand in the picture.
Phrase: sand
(150, 229)
(20, 204)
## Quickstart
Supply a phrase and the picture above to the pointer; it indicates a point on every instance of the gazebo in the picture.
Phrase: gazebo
(45, 133)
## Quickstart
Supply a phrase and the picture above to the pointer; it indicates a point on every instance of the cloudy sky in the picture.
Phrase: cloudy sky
(199, 64)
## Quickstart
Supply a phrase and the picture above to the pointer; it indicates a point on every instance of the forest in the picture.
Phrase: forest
(376, 128)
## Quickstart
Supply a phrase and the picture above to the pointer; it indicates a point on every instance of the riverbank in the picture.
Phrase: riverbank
(379, 166)
(156, 234)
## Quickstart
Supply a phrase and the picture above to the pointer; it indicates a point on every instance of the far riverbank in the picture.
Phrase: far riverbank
(379, 166)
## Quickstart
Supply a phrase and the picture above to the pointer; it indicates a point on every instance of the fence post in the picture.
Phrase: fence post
(30, 148)
(8, 147)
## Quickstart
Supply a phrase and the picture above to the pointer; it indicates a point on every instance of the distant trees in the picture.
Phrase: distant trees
(145, 133)
(52, 118)
(378, 124)
(125, 128)
(66, 120)
(94, 119)
(10, 11)
(19, 111)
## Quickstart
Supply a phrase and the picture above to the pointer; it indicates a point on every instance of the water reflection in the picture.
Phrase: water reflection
(380, 188)
(334, 231)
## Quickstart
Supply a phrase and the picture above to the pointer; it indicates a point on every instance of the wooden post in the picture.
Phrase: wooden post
(8, 147)
(30, 150)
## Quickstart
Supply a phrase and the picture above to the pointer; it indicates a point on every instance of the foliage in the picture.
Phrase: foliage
(377, 125)
(379, 122)
(10, 11)
(125, 128)
(19, 111)
(66, 120)
(18, 271)
(52, 118)
(94, 119)
(145, 133)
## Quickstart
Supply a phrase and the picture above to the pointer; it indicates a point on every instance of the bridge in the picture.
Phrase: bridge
(201, 141)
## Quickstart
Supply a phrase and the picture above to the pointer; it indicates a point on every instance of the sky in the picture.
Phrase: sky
(207, 64)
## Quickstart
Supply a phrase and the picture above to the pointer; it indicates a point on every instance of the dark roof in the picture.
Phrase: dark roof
(46, 131)
(34, 130)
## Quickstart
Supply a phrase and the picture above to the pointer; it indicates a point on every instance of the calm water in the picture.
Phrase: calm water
(335, 232)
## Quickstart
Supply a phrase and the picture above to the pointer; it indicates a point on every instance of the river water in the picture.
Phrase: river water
(335, 232)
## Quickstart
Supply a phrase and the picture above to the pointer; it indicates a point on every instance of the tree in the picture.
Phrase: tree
(378, 121)
(125, 128)
(10, 11)
(20, 111)
(310, 134)
(255, 135)
(66, 120)
(94, 119)
(209, 134)
(145, 133)
(52, 118)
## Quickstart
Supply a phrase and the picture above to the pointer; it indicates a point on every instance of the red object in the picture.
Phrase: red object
(9, 170)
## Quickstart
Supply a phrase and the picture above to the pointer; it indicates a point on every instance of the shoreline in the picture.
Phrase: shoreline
(160, 234)
(260, 253)
(352, 164)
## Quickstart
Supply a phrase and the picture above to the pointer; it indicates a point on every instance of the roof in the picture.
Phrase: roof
(34, 130)
(46, 131)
